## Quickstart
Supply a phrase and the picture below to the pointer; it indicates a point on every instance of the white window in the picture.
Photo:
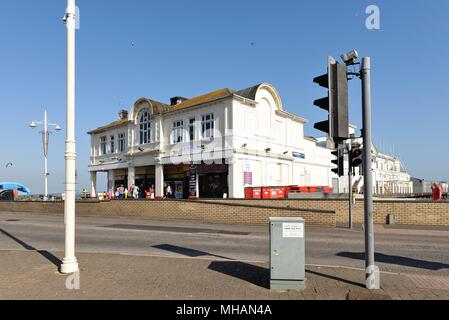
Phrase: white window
(177, 132)
(207, 126)
(192, 129)
(112, 144)
(121, 143)
(145, 128)
(102, 146)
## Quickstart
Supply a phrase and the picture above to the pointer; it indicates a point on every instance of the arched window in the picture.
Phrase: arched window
(145, 128)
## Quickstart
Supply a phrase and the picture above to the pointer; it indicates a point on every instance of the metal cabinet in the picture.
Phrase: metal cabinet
(287, 254)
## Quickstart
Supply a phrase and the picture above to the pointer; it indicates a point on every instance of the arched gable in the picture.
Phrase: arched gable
(265, 93)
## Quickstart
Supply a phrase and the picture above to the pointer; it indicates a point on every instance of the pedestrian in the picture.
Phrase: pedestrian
(437, 192)
(136, 192)
(152, 193)
(121, 192)
(131, 190)
(169, 192)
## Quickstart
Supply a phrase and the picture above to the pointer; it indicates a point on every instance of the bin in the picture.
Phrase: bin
(266, 193)
(328, 190)
(313, 189)
(282, 192)
(257, 193)
(249, 193)
(287, 254)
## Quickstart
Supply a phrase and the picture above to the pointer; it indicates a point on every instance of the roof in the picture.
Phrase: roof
(109, 126)
(249, 93)
(159, 107)
(206, 98)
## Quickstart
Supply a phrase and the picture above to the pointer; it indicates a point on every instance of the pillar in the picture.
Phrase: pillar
(235, 184)
(111, 181)
(93, 184)
(131, 176)
(159, 180)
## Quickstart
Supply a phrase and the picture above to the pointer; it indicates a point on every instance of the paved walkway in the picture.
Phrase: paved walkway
(33, 275)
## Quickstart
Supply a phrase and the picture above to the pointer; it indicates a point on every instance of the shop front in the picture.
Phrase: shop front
(176, 181)
(213, 180)
(145, 179)
(119, 178)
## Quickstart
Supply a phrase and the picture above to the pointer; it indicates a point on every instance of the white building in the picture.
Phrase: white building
(235, 139)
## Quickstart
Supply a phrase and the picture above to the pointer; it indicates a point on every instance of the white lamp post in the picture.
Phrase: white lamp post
(70, 263)
(45, 139)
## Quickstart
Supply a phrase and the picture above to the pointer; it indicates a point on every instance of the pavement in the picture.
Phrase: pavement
(161, 260)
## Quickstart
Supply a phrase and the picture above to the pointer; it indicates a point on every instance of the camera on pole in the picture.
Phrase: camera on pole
(336, 103)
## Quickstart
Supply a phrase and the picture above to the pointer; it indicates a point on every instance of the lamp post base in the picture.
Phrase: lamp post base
(69, 266)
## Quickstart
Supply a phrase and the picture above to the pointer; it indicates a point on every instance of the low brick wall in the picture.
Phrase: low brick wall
(327, 213)
(424, 213)
(228, 211)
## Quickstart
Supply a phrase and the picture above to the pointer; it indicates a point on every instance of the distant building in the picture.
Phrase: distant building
(421, 186)
(389, 175)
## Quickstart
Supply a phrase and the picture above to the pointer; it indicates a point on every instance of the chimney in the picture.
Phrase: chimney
(123, 114)
(177, 100)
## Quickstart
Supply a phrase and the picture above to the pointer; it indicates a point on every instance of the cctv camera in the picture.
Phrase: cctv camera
(350, 57)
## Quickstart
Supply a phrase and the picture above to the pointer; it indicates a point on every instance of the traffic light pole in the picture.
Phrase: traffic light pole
(372, 274)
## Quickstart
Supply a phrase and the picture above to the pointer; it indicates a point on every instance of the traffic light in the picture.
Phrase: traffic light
(356, 155)
(336, 81)
(339, 162)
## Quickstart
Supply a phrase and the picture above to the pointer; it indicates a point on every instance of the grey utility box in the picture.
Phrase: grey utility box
(287, 254)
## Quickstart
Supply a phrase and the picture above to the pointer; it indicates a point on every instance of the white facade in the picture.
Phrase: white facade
(244, 137)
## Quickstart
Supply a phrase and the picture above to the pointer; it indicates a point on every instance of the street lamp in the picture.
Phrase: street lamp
(70, 263)
(45, 139)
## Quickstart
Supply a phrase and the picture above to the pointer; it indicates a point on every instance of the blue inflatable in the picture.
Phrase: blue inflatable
(23, 191)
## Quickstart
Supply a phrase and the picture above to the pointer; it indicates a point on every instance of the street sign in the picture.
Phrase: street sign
(193, 181)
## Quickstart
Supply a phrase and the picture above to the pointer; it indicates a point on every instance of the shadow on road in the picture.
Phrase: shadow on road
(398, 260)
(256, 275)
(187, 252)
(47, 255)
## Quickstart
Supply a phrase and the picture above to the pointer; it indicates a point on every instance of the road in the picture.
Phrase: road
(400, 250)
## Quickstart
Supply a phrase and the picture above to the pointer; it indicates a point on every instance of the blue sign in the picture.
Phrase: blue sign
(299, 155)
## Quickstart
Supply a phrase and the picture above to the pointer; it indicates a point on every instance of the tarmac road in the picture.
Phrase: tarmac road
(402, 250)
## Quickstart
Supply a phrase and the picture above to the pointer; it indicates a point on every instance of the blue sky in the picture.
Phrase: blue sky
(188, 48)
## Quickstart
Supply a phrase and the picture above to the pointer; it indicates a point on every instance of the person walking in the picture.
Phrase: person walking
(136, 192)
(121, 192)
(437, 192)
(168, 192)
